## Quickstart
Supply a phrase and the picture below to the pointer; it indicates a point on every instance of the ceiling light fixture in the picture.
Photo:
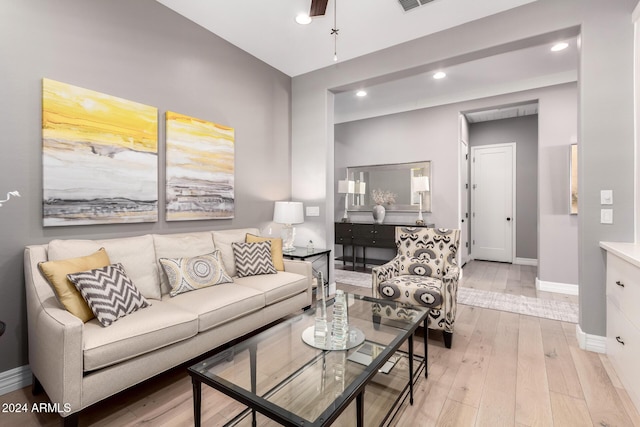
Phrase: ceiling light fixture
(303, 19)
(559, 46)
(440, 75)
(361, 93)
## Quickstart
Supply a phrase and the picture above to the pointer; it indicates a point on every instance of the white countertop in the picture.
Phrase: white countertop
(629, 252)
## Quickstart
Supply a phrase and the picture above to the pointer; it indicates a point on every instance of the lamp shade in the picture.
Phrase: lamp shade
(361, 187)
(346, 187)
(288, 213)
(420, 183)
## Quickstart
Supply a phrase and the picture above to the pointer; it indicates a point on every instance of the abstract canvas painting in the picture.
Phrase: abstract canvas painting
(100, 157)
(200, 169)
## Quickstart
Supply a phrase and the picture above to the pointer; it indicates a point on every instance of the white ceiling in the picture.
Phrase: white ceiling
(267, 28)
(509, 72)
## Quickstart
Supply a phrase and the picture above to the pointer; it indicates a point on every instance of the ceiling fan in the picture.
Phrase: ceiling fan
(318, 7)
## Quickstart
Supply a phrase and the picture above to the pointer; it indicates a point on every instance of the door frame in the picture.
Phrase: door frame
(514, 192)
(465, 229)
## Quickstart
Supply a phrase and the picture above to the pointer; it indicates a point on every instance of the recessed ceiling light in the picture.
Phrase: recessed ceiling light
(361, 93)
(559, 46)
(303, 19)
(440, 75)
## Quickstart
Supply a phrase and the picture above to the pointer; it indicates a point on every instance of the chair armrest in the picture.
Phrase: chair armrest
(381, 273)
(450, 293)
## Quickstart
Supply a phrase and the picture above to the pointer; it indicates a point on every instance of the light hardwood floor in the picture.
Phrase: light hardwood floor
(504, 369)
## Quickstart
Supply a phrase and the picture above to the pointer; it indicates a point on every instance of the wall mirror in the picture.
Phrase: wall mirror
(397, 179)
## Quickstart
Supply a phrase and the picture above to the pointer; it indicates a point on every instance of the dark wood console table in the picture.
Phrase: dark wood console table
(367, 235)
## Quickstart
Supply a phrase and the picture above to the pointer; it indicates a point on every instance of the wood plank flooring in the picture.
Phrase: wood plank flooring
(504, 369)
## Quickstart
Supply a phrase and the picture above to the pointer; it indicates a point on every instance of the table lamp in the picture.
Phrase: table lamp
(346, 187)
(288, 213)
(420, 184)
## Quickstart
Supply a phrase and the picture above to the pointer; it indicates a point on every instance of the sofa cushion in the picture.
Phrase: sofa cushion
(276, 249)
(136, 254)
(56, 273)
(193, 273)
(223, 240)
(253, 258)
(144, 331)
(276, 287)
(183, 245)
(219, 304)
(109, 292)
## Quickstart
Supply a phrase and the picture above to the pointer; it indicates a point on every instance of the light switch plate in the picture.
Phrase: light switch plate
(313, 210)
(606, 216)
(606, 197)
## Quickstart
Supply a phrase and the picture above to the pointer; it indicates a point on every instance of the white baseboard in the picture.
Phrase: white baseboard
(559, 288)
(589, 342)
(526, 261)
(15, 379)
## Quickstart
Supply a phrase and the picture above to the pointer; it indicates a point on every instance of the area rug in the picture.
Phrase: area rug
(548, 309)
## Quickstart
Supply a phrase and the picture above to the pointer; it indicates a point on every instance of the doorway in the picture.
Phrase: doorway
(493, 202)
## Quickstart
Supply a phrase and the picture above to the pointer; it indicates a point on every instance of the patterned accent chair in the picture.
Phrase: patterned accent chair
(424, 272)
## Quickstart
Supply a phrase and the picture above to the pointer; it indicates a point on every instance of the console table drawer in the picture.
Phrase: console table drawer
(344, 234)
(623, 287)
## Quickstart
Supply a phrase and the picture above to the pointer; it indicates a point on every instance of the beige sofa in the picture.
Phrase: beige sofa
(79, 364)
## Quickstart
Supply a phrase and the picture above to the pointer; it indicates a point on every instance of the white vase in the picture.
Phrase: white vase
(378, 214)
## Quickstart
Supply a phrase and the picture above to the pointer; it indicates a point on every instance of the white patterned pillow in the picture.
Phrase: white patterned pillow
(109, 292)
(253, 258)
(190, 274)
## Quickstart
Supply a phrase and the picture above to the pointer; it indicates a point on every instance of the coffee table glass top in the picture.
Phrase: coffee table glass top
(276, 371)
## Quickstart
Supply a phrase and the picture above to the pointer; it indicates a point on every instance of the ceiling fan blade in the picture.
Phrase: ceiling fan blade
(318, 7)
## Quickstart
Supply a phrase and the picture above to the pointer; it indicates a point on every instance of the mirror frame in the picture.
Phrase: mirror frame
(424, 166)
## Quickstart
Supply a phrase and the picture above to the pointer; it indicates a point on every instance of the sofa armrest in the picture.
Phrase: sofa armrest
(301, 267)
(381, 273)
(55, 337)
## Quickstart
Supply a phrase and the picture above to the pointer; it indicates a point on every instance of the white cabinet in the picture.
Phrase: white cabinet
(623, 316)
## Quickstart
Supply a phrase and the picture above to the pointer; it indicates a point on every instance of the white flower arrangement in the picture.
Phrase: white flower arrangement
(382, 197)
(9, 194)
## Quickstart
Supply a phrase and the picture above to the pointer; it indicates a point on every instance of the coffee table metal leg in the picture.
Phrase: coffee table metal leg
(411, 369)
(426, 348)
(253, 363)
(360, 409)
(197, 400)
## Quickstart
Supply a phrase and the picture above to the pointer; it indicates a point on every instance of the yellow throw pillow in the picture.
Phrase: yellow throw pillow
(56, 273)
(276, 249)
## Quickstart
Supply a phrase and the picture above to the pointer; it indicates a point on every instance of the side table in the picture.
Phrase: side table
(316, 253)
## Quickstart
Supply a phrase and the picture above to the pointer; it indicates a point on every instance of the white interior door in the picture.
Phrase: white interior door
(493, 202)
(464, 203)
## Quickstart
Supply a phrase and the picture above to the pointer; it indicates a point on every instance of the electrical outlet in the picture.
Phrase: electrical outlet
(606, 216)
(313, 210)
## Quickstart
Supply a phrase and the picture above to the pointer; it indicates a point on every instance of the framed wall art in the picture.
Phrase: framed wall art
(99, 157)
(200, 169)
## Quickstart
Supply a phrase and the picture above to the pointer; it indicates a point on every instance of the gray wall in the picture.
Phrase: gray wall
(141, 51)
(605, 111)
(414, 136)
(432, 134)
(524, 132)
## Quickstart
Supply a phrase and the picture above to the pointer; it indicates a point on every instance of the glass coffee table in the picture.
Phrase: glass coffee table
(280, 378)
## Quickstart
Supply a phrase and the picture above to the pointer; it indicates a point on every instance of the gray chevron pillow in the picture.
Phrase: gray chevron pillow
(253, 258)
(109, 292)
